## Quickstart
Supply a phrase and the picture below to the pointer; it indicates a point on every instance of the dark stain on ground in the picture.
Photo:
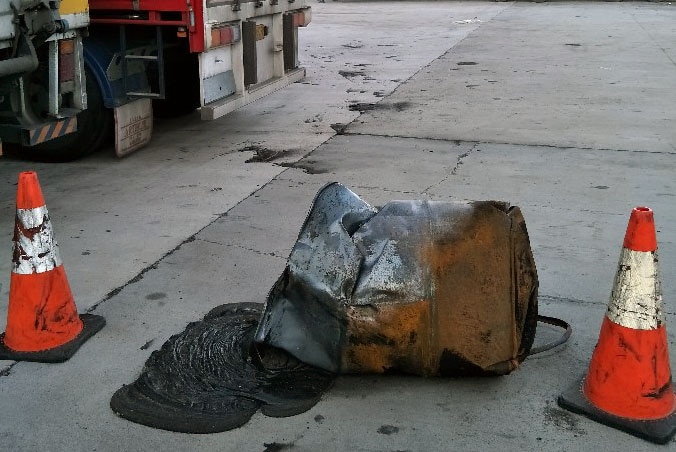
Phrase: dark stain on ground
(574, 44)
(262, 154)
(147, 345)
(277, 447)
(388, 429)
(562, 419)
(602, 187)
(319, 419)
(444, 407)
(309, 166)
(339, 128)
(351, 74)
(399, 106)
(156, 296)
(466, 63)
(361, 107)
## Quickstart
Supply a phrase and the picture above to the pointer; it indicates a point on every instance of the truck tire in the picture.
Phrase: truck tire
(94, 128)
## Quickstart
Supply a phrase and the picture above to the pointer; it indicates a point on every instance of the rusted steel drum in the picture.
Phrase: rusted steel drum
(420, 287)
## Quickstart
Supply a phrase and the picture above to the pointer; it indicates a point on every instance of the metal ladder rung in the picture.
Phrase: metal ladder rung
(157, 59)
(149, 95)
(141, 57)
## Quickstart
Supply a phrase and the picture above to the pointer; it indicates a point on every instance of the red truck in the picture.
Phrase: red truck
(169, 57)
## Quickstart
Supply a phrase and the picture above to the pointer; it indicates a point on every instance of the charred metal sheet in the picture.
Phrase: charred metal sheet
(423, 287)
(305, 310)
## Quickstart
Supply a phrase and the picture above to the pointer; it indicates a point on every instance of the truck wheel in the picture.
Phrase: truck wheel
(94, 127)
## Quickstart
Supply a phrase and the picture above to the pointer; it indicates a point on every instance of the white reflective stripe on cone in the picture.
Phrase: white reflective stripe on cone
(636, 298)
(35, 250)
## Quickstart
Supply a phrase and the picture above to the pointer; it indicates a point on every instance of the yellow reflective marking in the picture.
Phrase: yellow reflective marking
(73, 6)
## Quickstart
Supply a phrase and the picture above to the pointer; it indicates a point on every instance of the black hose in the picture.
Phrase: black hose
(562, 340)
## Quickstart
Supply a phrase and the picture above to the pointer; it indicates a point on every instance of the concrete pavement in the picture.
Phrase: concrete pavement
(553, 115)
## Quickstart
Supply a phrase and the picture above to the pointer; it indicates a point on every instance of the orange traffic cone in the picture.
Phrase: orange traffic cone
(42, 320)
(628, 385)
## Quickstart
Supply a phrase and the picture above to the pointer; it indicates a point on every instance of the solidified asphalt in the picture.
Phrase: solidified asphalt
(566, 109)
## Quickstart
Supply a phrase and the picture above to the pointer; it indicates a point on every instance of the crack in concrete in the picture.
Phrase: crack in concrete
(555, 299)
(343, 129)
(191, 238)
(502, 143)
(260, 253)
(460, 161)
(652, 38)
(454, 171)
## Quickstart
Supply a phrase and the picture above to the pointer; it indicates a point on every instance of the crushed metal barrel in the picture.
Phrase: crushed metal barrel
(418, 287)
(422, 287)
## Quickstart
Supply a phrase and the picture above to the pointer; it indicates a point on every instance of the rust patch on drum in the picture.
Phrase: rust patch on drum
(384, 337)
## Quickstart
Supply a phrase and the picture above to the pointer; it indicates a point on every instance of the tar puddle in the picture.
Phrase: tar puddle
(211, 378)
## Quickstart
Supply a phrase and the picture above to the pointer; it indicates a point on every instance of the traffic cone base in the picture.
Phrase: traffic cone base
(658, 431)
(92, 324)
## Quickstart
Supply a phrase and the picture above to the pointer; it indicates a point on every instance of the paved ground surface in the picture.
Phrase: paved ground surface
(565, 109)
